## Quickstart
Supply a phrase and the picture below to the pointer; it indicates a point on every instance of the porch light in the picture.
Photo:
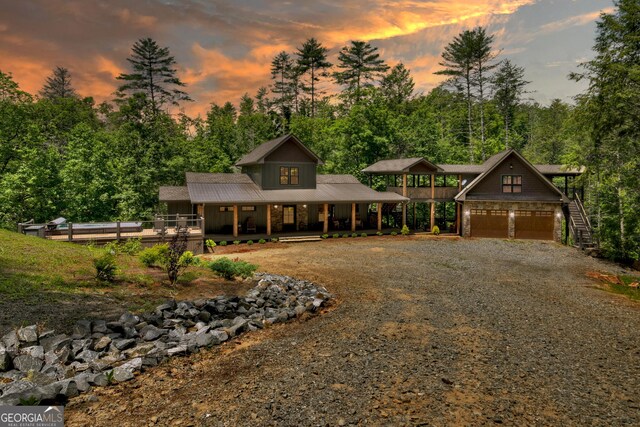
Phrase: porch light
(512, 214)
(558, 214)
(467, 213)
(275, 206)
(304, 206)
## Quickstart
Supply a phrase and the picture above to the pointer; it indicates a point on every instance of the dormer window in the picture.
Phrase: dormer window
(289, 176)
(512, 183)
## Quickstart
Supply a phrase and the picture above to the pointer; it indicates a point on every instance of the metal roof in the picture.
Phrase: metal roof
(462, 169)
(263, 150)
(218, 178)
(398, 165)
(174, 194)
(560, 170)
(329, 189)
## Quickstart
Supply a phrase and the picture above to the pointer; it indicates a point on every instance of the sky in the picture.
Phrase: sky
(224, 49)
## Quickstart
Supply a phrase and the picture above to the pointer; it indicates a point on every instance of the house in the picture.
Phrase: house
(505, 197)
(278, 190)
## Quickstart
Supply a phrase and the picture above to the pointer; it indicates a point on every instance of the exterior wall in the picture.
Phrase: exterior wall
(179, 208)
(512, 207)
(290, 152)
(271, 175)
(533, 187)
(222, 222)
(302, 217)
(254, 172)
(276, 219)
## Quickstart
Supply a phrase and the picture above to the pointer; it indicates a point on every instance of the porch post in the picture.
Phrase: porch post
(325, 225)
(201, 214)
(458, 209)
(404, 194)
(566, 185)
(268, 219)
(235, 220)
(353, 217)
(379, 216)
(432, 218)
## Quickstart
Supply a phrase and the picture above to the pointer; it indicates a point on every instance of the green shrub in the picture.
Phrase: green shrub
(379, 233)
(223, 243)
(405, 230)
(336, 235)
(345, 235)
(274, 240)
(105, 267)
(129, 247)
(394, 233)
(154, 256)
(210, 243)
(363, 235)
(262, 241)
(325, 236)
(435, 230)
(354, 234)
(236, 242)
(249, 242)
(230, 269)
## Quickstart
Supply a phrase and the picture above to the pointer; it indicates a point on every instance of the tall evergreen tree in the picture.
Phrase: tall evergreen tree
(153, 75)
(397, 86)
(282, 71)
(508, 88)
(312, 61)
(361, 64)
(58, 85)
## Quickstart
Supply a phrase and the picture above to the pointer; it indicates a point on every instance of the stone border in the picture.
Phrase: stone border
(46, 366)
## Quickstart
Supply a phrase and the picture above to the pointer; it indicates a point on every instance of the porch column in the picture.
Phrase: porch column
(268, 220)
(353, 217)
(201, 214)
(433, 215)
(379, 216)
(458, 210)
(566, 185)
(432, 218)
(404, 194)
(325, 225)
(235, 220)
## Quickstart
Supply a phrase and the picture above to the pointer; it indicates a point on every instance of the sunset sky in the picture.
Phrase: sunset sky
(224, 48)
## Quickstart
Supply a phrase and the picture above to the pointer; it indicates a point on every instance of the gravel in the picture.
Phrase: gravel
(425, 332)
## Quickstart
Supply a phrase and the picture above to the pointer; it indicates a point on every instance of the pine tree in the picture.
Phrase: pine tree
(397, 86)
(508, 87)
(153, 75)
(361, 64)
(282, 71)
(312, 60)
(58, 85)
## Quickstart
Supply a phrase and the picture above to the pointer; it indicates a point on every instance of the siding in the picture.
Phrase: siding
(271, 175)
(179, 208)
(533, 187)
(222, 222)
(289, 152)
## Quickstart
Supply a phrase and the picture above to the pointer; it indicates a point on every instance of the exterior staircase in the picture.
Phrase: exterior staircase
(299, 239)
(580, 227)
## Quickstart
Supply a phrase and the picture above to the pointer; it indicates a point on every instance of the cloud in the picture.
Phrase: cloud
(572, 21)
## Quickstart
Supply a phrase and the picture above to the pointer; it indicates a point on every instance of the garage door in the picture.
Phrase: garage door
(489, 223)
(534, 225)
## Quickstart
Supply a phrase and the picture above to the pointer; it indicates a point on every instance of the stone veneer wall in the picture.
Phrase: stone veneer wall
(511, 207)
(276, 219)
(302, 212)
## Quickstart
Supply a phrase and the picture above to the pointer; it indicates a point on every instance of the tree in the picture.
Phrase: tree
(312, 60)
(282, 74)
(397, 86)
(58, 85)
(153, 75)
(361, 64)
(508, 87)
(610, 109)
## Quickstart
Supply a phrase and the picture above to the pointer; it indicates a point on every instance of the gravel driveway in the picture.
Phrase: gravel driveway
(424, 332)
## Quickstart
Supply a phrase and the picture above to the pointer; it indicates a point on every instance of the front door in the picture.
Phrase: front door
(289, 218)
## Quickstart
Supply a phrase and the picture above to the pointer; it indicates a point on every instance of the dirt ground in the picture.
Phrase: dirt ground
(423, 332)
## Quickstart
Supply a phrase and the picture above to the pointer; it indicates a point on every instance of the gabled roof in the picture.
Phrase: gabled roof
(400, 165)
(174, 194)
(560, 170)
(259, 153)
(494, 161)
(218, 178)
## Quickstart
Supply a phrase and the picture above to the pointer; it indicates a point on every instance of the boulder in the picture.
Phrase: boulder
(69, 388)
(180, 349)
(204, 340)
(55, 342)
(78, 346)
(82, 329)
(87, 356)
(99, 326)
(123, 344)
(5, 359)
(102, 344)
(219, 335)
(122, 374)
(151, 333)
(28, 334)
(26, 363)
(36, 351)
(128, 320)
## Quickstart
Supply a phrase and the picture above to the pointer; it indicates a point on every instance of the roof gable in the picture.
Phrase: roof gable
(488, 185)
(261, 152)
(399, 166)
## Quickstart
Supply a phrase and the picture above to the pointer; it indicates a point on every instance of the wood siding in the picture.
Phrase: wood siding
(271, 175)
(289, 152)
(222, 222)
(185, 208)
(254, 172)
(533, 187)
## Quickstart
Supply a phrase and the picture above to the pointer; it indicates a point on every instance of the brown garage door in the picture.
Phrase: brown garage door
(489, 223)
(534, 225)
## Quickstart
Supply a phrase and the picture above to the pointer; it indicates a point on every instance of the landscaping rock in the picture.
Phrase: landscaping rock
(128, 320)
(36, 351)
(69, 388)
(55, 342)
(28, 334)
(123, 344)
(26, 363)
(151, 333)
(10, 340)
(102, 344)
(5, 359)
(82, 329)
(87, 356)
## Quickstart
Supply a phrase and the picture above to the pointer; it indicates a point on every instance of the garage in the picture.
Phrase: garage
(534, 225)
(489, 223)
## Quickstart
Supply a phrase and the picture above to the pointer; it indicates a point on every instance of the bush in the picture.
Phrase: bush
(262, 241)
(363, 235)
(405, 230)
(230, 269)
(274, 240)
(336, 235)
(325, 236)
(129, 247)
(354, 234)
(379, 233)
(394, 233)
(435, 230)
(223, 243)
(210, 243)
(236, 242)
(345, 235)
(249, 242)
(105, 267)
(154, 256)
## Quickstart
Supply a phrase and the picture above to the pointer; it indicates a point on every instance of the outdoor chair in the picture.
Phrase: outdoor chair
(181, 223)
(159, 227)
(250, 225)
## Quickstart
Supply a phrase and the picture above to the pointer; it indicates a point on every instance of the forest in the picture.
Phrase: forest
(62, 154)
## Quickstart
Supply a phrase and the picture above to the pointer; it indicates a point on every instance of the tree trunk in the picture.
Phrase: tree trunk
(506, 132)
(469, 124)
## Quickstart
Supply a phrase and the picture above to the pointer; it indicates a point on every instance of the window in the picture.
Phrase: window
(289, 176)
(512, 183)
(288, 215)
(226, 208)
(248, 208)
